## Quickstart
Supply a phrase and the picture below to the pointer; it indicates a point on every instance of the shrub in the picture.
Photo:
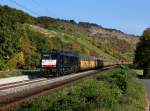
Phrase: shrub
(115, 90)
(3, 65)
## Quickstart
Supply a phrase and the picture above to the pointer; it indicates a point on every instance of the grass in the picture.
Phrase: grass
(15, 72)
(4, 74)
(81, 41)
(112, 90)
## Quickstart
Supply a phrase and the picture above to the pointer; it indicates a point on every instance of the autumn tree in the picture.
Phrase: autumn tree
(142, 56)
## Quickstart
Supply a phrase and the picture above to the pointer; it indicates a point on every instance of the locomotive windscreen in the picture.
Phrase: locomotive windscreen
(46, 56)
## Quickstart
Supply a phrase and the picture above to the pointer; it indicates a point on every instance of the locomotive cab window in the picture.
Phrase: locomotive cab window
(46, 56)
(49, 56)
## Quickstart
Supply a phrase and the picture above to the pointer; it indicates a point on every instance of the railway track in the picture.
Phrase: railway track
(11, 95)
(16, 84)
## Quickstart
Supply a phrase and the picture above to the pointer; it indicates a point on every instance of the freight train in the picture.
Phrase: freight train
(61, 63)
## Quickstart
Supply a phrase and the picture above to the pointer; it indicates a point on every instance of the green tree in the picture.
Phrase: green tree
(142, 56)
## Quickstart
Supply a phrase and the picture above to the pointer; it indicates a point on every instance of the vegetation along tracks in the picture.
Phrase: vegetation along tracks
(10, 96)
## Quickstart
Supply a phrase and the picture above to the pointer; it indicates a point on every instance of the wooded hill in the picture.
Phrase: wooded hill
(24, 38)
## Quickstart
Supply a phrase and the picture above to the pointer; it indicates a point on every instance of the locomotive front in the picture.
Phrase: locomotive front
(49, 61)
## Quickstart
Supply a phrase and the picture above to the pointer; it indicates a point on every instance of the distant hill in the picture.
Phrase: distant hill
(91, 29)
(24, 38)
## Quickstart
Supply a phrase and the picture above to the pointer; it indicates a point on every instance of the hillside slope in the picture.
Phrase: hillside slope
(75, 42)
(110, 41)
(24, 38)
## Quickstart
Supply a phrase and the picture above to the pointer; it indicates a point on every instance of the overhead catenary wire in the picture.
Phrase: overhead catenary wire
(27, 9)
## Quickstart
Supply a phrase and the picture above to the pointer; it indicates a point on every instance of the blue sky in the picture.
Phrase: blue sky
(129, 16)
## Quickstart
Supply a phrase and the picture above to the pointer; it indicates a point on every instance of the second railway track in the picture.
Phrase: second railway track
(16, 84)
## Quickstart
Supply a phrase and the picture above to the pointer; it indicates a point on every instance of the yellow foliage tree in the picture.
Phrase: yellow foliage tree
(21, 58)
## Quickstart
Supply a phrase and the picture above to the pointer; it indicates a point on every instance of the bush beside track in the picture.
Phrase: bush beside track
(112, 90)
(12, 73)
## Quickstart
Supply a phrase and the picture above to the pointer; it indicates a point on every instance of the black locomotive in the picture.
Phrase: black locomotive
(61, 63)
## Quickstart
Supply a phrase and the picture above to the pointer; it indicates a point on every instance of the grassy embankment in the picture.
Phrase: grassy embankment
(112, 90)
(75, 41)
(4, 74)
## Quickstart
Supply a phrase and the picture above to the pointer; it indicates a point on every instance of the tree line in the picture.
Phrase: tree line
(142, 54)
(20, 47)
